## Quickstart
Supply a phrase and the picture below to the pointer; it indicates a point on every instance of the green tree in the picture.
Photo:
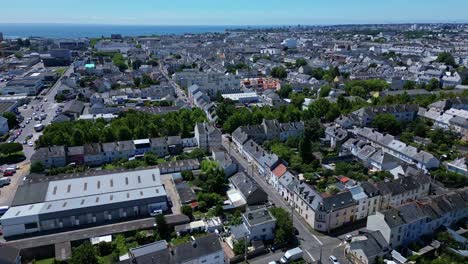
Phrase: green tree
(305, 150)
(387, 123)
(301, 62)
(187, 175)
(279, 72)
(447, 59)
(409, 85)
(137, 81)
(78, 138)
(187, 210)
(10, 148)
(162, 227)
(285, 91)
(239, 247)
(85, 253)
(284, 232)
(12, 122)
(325, 90)
(433, 85)
(119, 61)
(125, 133)
(37, 167)
(151, 159)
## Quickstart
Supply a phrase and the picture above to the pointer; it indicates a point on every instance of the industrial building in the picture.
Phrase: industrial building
(84, 201)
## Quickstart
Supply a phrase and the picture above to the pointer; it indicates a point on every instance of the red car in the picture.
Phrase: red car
(8, 173)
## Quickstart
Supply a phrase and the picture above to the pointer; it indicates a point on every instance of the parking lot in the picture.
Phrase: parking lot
(7, 193)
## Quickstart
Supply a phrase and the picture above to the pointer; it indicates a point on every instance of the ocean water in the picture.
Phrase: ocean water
(94, 31)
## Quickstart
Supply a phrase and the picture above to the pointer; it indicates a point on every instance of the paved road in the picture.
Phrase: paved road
(48, 105)
(179, 91)
(311, 242)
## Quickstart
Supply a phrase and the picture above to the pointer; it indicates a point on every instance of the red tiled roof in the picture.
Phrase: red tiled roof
(280, 170)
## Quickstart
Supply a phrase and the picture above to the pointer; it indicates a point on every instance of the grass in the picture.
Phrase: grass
(186, 238)
(45, 261)
(61, 71)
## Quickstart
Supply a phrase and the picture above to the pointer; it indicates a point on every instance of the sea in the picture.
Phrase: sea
(96, 31)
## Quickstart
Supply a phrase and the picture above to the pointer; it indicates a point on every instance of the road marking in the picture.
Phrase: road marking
(316, 238)
(310, 255)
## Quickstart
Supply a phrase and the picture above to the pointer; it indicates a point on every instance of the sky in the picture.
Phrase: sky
(232, 12)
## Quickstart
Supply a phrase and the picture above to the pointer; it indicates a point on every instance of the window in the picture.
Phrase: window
(30, 225)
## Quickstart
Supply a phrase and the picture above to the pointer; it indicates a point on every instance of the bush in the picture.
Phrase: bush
(104, 248)
(9, 148)
(37, 167)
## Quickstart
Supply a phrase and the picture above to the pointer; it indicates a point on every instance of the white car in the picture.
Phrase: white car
(156, 212)
(30, 144)
(333, 260)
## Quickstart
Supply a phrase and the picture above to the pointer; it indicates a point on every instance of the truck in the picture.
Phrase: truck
(38, 127)
(291, 255)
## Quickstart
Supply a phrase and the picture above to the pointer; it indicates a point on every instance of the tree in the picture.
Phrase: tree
(85, 253)
(305, 150)
(239, 247)
(387, 123)
(409, 85)
(137, 81)
(433, 84)
(301, 62)
(284, 231)
(325, 90)
(285, 91)
(187, 210)
(12, 121)
(78, 138)
(125, 133)
(119, 61)
(279, 72)
(37, 167)
(447, 59)
(136, 64)
(19, 55)
(187, 175)
(10, 148)
(162, 227)
(151, 159)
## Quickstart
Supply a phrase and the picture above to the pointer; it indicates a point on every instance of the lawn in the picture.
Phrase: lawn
(45, 261)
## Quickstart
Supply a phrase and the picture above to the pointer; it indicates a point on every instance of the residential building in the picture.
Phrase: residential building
(207, 136)
(403, 113)
(50, 157)
(459, 166)
(404, 224)
(402, 190)
(366, 247)
(225, 162)
(203, 250)
(248, 188)
(260, 224)
(4, 129)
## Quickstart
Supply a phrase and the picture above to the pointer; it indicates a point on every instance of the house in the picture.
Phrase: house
(324, 212)
(459, 166)
(4, 129)
(366, 247)
(404, 224)
(75, 155)
(287, 185)
(93, 155)
(159, 146)
(50, 157)
(276, 174)
(402, 190)
(336, 135)
(260, 224)
(225, 162)
(403, 113)
(260, 160)
(207, 136)
(206, 249)
(248, 188)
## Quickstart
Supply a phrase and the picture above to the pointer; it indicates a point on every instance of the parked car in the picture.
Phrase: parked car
(156, 212)
(291, 255)
(8, 173)
(333, 260)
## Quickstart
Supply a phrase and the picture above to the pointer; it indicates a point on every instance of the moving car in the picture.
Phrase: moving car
(291, 255)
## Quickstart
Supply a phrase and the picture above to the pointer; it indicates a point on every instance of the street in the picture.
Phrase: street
(313, 243)
(48, 105)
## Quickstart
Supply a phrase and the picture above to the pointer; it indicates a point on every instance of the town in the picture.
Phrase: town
(301, 144)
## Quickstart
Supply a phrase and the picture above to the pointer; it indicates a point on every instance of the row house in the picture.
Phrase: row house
(400, 191)
(404, 224)
(324, 212)
(396, 148)
(259, 159)
(403, 113)
(96, 154)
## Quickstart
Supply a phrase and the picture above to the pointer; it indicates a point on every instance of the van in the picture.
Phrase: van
(3, 209)
(4, 181)
(291, 255)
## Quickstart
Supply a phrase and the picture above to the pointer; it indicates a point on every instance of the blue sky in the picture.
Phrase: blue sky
(232, 12)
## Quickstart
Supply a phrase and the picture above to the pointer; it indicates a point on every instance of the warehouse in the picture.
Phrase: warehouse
(80, 202)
